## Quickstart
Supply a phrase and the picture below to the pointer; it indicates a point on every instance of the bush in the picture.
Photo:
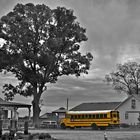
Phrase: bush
(44, 135)
(39, 136)
(124, 125)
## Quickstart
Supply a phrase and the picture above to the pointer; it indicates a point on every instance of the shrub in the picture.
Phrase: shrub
(124, 125)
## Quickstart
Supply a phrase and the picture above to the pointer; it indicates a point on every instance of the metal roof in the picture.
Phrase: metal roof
(13, 104)
(60, 110)
(96, 106)
(46, 115)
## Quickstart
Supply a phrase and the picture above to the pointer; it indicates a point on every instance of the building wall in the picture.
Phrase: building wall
(129, 111)
(61, 115)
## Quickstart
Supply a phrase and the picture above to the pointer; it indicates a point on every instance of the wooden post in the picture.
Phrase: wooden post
(1, 122)
(26, 128)
(0, 127)
(13, 128)
(29, 113)
(13, 122)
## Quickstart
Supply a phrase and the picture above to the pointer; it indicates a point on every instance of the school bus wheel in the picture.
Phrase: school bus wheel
(63, 126)
(94, 126)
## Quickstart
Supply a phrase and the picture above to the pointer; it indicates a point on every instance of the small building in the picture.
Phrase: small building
(11, 108)
(48, 120)
(52, 119)
(47, 117)
(60, 113)
(54, 115)
(129, 109)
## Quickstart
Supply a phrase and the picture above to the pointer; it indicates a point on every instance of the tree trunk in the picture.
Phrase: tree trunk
(36, 112)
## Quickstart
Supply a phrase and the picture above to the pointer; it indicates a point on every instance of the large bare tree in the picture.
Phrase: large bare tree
(126, 78)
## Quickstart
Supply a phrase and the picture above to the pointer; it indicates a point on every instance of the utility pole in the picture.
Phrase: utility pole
(67, 103)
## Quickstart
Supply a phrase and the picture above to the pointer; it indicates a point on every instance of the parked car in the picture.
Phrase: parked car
(49, 124)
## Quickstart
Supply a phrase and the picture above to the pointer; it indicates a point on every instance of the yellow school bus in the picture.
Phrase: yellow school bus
(95, 119)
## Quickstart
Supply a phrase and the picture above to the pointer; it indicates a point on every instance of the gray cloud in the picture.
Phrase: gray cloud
(89, 90)
(111, 26)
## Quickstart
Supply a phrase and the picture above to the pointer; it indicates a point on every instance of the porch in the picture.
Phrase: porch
(11, 108)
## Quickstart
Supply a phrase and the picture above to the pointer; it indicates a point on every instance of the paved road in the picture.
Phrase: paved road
(90, 135)
(74, 134)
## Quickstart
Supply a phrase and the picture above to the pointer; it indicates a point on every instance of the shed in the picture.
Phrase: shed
(60, 113)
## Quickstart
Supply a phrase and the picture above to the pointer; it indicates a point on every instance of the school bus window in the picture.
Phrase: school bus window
(105, 115)
(93, 116)
(72, 117)
(89, 116)
(83, 116)
(86, 116)
(101, 116)
(118, 114)
(97, 116)
(114, 115)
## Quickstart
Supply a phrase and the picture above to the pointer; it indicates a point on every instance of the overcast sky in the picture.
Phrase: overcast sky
(113, 31)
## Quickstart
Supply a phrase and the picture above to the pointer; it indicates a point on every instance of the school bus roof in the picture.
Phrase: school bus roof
(88, 112)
